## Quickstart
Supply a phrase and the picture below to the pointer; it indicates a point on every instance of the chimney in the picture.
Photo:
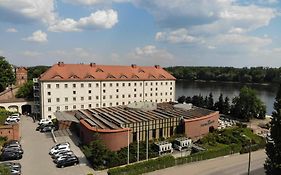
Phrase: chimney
(60, 63)
(157, 66)
(134, 66)
(93, 64)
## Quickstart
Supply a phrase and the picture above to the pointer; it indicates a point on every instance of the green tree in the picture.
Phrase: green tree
(6, 74)
(4, 170)
(26, 90)
(210, 101)
(226, 106)
(247, 105)
(188, 99)
(36, 71)
(181, 99)
(273, 148)
(219, 104)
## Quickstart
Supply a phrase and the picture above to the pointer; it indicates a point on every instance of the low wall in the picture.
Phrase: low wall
(12, 132)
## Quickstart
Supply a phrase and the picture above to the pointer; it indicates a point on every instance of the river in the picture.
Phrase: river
(266, 93)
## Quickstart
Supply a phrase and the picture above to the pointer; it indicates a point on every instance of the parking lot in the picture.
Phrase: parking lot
(36, 146)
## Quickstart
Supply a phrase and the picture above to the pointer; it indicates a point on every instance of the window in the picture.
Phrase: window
(103, 84)
(140, 84)
(146, 94)
(110, 84)
(49, 100)
(58, 108)
(117, 103)
(74, 98)
(103, 97)
(123, 103)
(49, 109)
(170, 93)
(155, 94)
(90, 98)
(74, 106)
(166, 83)
(129, 95)
(49, 93)
(97, 84)
(146, 84)
(74, 85)
(140, 95)
(90, 105)
(89, 85)
(103, 91)
(151, 83)
(171, 88)
(166, 93)
(161, 83)
(110, 96)
(58, 99)
(129, 84)
(97, 105)
(156, 89)
(156, 83)
(103, 104)
(117, 96)
(135, 90)
(82, 106)
(49, 86)
(123, 84)
(82, 85)
(135, 84)
(57, 86)
(82, 98)
(89, 91)
(151, 94)
(74, 92)
(135, 95)
(110, 104)
(65, 85)
(97, 97)
(123, 96)
(117, 90)
(66, 107)
(117, 84)
(151, 89)
(161, 93)
(171, 83)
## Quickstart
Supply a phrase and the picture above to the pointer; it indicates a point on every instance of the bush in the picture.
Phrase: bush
(3, 115)
(144, 167)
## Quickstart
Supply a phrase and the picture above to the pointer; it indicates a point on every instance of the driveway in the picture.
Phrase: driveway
(36, 146)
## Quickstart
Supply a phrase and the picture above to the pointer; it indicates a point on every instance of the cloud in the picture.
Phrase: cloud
(22, 11)
(94, 2)
(1, 52)
(31, 53)
(101, 19)
(151, 55)
(37, 36)
(11, 30)
(177, 36)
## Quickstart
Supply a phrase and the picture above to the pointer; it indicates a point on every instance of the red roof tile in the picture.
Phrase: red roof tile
(61, 71)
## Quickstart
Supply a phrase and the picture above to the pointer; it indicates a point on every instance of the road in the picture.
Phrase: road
(230, 165)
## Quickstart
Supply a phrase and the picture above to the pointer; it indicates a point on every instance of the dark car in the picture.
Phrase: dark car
(47, 129)
(68, 162)
(16, 150)
(11, 155)
(11, 165)
(12, 142)
(40, 127)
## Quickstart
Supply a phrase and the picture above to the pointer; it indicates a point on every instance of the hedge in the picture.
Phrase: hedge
(144, 167)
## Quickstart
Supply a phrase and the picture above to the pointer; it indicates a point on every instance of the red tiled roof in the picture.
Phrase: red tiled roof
(61, 71)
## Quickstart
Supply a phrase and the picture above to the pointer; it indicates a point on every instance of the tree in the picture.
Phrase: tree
(36, 71)
(273, 148)
(188, 99)
(4, 170)
(181, 99)
(219, 104)
(6, 74)
(26, 90)
(226, 106)
(247, 105)
(210, 101)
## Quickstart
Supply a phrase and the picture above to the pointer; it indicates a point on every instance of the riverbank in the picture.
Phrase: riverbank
(231, 82)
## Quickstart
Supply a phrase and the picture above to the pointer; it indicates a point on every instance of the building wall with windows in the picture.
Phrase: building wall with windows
(61, 92)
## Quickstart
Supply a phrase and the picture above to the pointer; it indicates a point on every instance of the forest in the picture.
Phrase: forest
(231, 74)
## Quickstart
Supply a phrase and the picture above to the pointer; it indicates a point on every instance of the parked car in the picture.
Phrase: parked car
(7, 155)
(13, 149)
(15, 168)
(47, 129)
(12, 117)
(61, 144)
(10, 122)
(68, 162)
(59, 149)
(54, 156)
(12, 142)
(16, 114)
(15, 171)
(63, 158)
(43, 125)
(12, 146)
(45, 121)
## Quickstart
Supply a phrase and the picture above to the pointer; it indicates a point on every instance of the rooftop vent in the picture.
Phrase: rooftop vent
(157, 66)
(134, 66)
(93, 64)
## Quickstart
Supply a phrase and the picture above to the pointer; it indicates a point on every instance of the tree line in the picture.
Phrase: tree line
(243, 75)
(245, 106)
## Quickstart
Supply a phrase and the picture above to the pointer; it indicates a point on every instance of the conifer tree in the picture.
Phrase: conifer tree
(273, 147)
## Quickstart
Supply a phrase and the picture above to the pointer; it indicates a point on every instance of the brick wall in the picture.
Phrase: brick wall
(195, 128)
(12, 132)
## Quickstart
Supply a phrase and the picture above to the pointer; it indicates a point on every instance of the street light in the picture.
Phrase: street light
(250, 150)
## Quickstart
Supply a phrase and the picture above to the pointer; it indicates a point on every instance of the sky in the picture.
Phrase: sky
(238, 33)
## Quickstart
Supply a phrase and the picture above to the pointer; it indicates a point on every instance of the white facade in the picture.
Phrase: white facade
(74, 95)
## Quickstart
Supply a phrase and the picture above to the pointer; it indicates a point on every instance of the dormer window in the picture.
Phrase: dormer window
(135, 76)
(110, 76)
(123, 76)
(73, 77)
(99, 70)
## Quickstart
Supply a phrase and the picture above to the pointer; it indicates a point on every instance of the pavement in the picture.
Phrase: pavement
(36, 146)
(229, 165)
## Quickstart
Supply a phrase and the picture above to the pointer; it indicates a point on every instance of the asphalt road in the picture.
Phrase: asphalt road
(231, 165)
